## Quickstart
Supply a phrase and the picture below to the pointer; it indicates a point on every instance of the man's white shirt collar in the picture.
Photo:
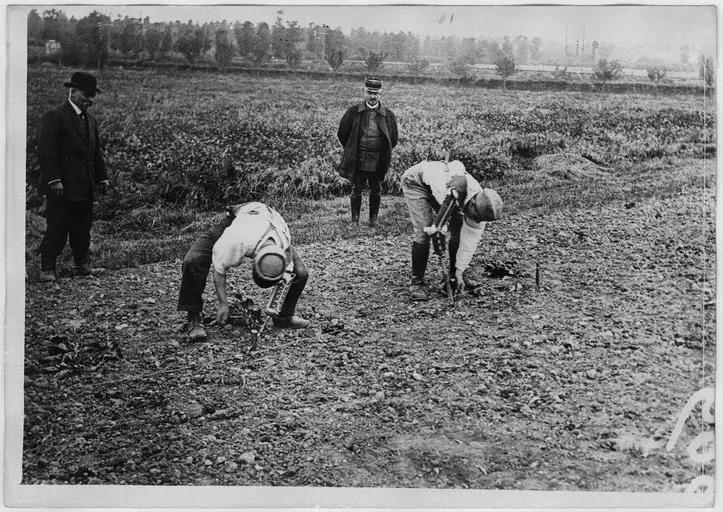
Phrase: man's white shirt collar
(75, 107)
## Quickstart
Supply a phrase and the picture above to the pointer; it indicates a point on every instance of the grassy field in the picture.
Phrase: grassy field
(181, 145)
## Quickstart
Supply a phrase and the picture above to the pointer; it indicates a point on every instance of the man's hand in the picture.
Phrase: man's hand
(56, 188)
(430, 230)
(458, 184)
(222, 314)
(459, 279)
(433, 229)
(103, 187)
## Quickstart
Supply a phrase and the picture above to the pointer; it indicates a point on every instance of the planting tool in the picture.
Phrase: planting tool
(439, 246)
(273, 308)
(437, 229)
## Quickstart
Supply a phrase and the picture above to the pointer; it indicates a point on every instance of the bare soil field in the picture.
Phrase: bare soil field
(573, 385)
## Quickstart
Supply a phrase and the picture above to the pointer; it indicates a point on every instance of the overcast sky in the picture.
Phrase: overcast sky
(630, 25)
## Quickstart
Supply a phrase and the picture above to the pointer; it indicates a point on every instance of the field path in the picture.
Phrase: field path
(574, 386)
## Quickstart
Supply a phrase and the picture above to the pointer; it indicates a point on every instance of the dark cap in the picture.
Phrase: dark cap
(373, 84)
(83, 81)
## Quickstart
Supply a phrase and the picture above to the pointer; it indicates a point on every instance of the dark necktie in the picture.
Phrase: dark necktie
(83, 123)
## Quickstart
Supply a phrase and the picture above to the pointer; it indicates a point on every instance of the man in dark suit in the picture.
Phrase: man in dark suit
(72, 175)
(368, 132)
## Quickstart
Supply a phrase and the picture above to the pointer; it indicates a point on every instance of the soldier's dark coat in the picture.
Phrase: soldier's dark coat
(350, 131)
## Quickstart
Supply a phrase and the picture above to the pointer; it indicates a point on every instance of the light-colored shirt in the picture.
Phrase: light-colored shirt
(253, 225)
(436, 175)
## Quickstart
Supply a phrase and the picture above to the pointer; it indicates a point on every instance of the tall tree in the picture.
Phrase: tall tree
(412, 47)
(292, 44)
(278, 37)
(469, 50)
(334, 48)
(522, 49)
(152, 41)
(536, 49)
(93, 32)
(494, 50)
(706, 70)
(449, 47)
(224, 49)
(167, 41)
(35, 27)
(314, 43)
(54, 25)
(190, 43)
(261, 47)
(245, 36)
(130, 41)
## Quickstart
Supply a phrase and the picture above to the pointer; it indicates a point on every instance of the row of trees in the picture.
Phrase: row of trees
(93, 38)
(96, 34)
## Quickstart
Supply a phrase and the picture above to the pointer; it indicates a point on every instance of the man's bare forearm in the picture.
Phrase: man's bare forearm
(219, 281)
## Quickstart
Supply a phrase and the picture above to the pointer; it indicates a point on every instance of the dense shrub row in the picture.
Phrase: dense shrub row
(204, 139)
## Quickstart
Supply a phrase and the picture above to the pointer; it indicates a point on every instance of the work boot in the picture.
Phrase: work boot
(469, 283)
(417, 290)
(374, 202)
(196, 330)
(198, 333)
(82, 270)
(355, 209)
(420, 256)
(290, 322)
(86, 270)
(47, 276)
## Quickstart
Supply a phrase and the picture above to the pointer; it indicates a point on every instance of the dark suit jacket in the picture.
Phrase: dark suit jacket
(350, 131)
(71, 154)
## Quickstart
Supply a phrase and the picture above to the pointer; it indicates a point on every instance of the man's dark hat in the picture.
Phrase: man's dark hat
(83, 81)
(373, 84)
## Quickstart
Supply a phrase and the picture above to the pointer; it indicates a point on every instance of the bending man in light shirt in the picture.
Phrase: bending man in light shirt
(428, 187)
(250, 230)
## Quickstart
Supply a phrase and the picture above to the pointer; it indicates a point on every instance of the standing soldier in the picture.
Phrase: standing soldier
(72, 175)
(436, 192)
(368, 132)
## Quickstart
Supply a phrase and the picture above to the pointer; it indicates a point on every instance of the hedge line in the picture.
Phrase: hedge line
(487, 83)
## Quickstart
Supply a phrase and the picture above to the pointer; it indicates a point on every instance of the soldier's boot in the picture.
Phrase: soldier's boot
(47, 269)
(374, 202)
(420, 256)
(355, 209)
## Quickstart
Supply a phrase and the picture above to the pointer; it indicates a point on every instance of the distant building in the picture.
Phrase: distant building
(52, 47)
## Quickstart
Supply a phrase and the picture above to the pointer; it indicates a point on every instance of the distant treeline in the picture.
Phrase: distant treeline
(94, 39)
